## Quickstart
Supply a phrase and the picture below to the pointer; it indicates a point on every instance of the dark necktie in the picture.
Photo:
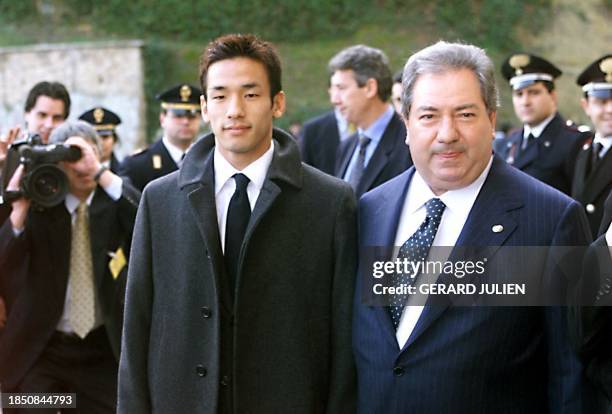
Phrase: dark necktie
(416, 249)
(359, 166)
(595, 155)
(526, 141)
(238, 215)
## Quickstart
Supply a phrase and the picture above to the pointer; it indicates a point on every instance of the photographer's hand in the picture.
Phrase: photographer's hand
(6, 141)
(21, 205)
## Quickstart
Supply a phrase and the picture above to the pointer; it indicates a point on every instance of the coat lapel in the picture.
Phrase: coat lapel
(599, 179)
(197, 179)
(59, 236)
(381, 230)
(99, 229)
(345, 153)
(381, 156)
(492, 207)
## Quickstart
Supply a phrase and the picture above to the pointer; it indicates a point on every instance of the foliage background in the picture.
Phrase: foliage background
(309, 33)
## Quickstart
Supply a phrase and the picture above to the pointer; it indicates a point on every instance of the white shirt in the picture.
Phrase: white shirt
(606, 143)
(537, 130)
(175, 152)
(72, 203)
(225, 185)
(458, 206)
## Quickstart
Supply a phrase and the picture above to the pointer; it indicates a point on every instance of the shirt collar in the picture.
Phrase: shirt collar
(72, 202)
(377, 129)
(537, 130)
(175, 152)
(606, 142)
(255, 171)
(458, 200)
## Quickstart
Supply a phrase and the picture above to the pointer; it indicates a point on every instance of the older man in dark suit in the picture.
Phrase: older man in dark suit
(434, 356)
(360, 88)
(242, 266)
(63, 332)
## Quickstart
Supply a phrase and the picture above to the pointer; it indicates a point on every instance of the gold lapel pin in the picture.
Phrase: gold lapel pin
(498, 228)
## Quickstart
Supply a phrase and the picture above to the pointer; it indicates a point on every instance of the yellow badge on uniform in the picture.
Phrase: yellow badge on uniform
(157, 163)
(117, 262)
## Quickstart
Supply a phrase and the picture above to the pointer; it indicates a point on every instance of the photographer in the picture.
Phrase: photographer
(63, 332)
(47, 106)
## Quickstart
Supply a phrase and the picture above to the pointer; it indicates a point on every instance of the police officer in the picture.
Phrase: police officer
(593, 175)
(105, 121)
(180, 121)
(546, 147)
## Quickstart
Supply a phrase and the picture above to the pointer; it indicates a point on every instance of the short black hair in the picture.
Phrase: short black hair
(53, 90)
(242, 45)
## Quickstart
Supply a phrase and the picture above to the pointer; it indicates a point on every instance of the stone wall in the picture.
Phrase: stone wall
(108, 74)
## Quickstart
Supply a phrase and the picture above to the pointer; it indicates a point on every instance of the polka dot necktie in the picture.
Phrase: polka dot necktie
(416, 249)
(82, 314)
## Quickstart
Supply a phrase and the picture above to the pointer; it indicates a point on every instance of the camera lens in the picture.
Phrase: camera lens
(46, 185)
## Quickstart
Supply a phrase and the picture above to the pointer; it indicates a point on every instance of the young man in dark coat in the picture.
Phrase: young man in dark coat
(241, 277)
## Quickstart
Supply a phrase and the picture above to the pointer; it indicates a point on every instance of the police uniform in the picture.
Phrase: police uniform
(551, 156)
(155, 161)
(104, 122)
(593, 175)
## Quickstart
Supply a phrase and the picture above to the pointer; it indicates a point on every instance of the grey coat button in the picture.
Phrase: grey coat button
(590, 208)
(206, 312)
(201, 370)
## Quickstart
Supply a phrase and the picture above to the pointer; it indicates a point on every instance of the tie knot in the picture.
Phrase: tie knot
(435, 208)
(82, 209)
(363, 141)
(241, 181)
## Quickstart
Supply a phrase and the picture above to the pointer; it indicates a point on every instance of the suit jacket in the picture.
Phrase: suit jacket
(145, 166)
(115, 165)
(40, 303)
(592, 325)
(591, 186)
(390, 158)
(319, 141)
(292, 308)
(473, 359)
(551, 158)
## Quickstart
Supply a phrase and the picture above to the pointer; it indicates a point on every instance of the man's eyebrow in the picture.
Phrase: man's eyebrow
(249, 85)
(466, 106)
(426, 108)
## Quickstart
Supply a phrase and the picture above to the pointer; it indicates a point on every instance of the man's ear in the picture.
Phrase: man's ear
(371, 86)
(204, 108)
(278, 104)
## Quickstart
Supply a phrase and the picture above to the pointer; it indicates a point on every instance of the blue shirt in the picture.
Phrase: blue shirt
(375, 133)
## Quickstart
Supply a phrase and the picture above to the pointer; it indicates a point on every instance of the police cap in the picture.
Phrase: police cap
(182, 100)
(103, 120)
(524, 69)
(596, 79)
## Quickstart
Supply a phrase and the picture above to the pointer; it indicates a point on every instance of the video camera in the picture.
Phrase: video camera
(43, 181)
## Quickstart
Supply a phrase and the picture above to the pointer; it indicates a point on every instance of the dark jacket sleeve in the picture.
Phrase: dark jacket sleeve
(342, 391)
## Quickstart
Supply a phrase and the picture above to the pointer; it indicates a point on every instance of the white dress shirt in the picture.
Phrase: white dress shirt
(606, 143)
(175, 152)
(72, 203)
(225, 185)
(537, 130)
(458, 206)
